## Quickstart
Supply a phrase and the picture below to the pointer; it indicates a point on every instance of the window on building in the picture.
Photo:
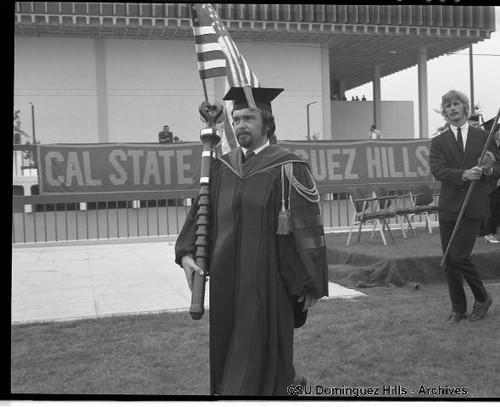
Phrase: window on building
(81, 8)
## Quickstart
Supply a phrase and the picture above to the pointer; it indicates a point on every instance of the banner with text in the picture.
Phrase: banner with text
(79, 168)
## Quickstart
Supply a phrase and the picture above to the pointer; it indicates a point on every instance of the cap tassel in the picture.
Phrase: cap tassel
(284, 221)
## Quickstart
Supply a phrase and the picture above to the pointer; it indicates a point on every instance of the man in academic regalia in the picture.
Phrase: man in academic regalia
(268, 256)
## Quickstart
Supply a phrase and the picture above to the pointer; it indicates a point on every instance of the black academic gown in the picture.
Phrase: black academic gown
(255, 274)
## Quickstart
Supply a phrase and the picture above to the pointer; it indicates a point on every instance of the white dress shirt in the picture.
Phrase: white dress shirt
(257, 150)
(465, 130)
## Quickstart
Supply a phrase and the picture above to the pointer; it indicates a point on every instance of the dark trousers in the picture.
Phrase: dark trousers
(458, 264)
(493, 222)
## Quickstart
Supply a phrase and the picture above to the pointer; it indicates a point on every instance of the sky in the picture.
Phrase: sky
(446, 73)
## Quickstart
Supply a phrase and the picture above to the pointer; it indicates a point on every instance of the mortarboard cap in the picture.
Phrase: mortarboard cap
(254, 98)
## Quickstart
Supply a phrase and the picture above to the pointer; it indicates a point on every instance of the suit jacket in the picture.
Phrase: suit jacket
(165, 136)
(448, 164)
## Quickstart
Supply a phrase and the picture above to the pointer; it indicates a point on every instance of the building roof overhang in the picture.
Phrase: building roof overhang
(354, 49)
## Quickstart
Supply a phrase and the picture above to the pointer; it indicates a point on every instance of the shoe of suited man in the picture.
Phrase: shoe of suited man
(480, 309)
(455, 318)
(491, 238)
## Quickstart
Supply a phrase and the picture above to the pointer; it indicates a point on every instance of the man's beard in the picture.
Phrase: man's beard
(247, 140)
(244, 139)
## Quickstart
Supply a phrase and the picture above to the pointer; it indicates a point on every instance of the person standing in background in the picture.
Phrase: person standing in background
(474, 120)
(375, 134)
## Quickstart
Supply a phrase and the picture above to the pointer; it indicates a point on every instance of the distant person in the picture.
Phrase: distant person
(165, 136)
(363, 98)
(454, 156)
(375, 134)
(492, 224)
(474, 120)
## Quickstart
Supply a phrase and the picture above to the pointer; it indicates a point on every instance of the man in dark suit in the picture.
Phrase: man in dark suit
(454, 161)
(165, 136)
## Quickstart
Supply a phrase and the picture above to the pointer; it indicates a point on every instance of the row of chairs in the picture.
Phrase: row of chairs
(377, 207)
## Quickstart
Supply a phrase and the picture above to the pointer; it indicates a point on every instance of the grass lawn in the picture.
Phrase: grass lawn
(392, 337)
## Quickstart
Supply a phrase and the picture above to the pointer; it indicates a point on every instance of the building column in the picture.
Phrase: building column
(423, 115)
(471, 73)
(377, 106)
(326, 94)
(341, 87)
(101, 91)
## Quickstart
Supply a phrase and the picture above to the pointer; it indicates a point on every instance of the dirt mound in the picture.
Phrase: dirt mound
(413, 260)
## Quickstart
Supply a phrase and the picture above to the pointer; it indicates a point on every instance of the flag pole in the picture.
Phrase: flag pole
(210, 137)
(469, 191)
(205, 90)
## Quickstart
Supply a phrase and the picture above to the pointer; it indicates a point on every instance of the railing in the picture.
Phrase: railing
(54, 218)
(23, 158)
(86, 217)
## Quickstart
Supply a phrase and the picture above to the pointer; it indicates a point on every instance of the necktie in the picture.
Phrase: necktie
(249, 154)
(460, 140)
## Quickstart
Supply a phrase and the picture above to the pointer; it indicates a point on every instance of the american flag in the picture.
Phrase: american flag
(218, 55)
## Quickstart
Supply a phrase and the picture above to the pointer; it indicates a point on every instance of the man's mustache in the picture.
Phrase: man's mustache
(242, 132)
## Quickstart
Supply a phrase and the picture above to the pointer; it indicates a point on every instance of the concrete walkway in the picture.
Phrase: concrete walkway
(66, 282)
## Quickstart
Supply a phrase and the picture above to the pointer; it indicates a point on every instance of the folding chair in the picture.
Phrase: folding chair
(394, 205)
(422, 199)
(364, 212)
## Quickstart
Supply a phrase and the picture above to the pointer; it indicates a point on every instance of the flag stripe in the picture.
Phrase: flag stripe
(212, 73)
(212, 64)
(208, 47)
(207, 39)
(211, 55)
(203, 30)
(238, 78)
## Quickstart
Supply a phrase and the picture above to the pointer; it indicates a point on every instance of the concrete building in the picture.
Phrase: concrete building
(119, 72)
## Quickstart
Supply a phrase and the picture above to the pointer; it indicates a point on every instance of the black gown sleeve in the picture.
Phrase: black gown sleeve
(303, 253)
(185, 241)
